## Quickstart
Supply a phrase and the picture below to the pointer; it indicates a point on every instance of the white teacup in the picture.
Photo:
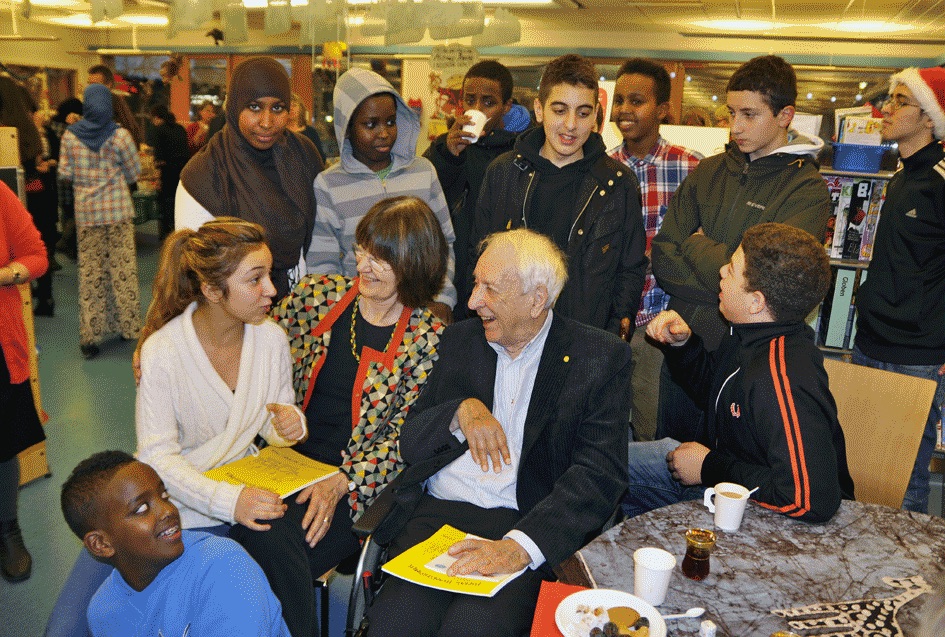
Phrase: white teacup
(652, 568)
(474, 128)
(729, 504)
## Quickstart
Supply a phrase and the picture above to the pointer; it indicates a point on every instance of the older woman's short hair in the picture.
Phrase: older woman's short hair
(405, 233)
(538, 259)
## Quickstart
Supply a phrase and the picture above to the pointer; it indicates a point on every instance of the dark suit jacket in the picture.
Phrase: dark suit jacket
(573, 468)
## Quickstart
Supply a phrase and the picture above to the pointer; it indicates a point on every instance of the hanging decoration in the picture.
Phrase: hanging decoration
(471, 23)
(233, 19)
(101, 9)
(375, 20)
(277, 17)
(321, 21)
(406, 22)
(442, 14)
(504, 28)
(187, 15)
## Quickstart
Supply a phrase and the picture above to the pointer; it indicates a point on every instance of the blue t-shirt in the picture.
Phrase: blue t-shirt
(214, 588)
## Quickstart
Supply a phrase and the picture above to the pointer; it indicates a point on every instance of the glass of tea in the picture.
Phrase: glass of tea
(699, 545)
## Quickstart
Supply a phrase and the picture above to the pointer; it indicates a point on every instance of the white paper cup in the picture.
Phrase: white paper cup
(729, 504)
(474, 128)
(652, 568)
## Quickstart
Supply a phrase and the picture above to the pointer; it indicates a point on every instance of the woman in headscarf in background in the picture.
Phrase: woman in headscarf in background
(100, 159)
(257, 170)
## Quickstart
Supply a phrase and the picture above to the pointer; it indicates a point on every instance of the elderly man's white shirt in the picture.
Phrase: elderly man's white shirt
(463, 480)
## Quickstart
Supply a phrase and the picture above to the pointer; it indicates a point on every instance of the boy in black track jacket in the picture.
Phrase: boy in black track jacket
(772, 418)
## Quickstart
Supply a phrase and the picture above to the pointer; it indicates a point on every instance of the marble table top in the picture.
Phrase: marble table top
(774, 562)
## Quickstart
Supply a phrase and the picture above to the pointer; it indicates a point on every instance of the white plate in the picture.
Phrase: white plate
(566, 612)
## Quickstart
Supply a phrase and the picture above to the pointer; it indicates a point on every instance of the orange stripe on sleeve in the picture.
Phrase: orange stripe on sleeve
(801, 504)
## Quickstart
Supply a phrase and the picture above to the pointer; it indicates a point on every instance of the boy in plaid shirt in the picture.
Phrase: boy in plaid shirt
(641, 103)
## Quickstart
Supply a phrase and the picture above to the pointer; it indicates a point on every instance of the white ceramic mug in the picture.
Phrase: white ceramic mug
(652, 568)
(474, 128)
(729, 504)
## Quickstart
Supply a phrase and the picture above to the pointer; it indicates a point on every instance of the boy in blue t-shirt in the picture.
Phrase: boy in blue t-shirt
(166, 581)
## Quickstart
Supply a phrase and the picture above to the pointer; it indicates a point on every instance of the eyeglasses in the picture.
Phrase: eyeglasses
(897, 101)
(378, 265)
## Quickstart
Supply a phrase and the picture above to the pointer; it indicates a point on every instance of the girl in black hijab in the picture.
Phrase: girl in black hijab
(257, 170)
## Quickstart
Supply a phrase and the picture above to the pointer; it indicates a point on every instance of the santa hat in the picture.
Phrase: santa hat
(928, 88)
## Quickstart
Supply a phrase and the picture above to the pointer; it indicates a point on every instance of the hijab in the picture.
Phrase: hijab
(273, 187)
(97, 124)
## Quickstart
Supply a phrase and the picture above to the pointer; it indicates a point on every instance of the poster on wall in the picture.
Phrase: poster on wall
(448, 64)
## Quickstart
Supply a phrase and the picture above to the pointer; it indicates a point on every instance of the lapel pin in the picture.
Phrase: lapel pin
(567, 359)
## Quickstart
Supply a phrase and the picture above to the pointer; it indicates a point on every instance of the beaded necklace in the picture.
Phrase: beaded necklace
(354, 334)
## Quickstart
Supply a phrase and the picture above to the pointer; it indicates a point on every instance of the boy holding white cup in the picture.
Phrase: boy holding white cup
(764, 390)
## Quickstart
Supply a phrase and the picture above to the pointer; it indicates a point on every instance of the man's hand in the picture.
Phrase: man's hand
(669, 328)
(456, 138)
(286, 421)
(484, 434)
(258, 504)
(685, 462)
(488, 557)
(441, 311)
(323, 497)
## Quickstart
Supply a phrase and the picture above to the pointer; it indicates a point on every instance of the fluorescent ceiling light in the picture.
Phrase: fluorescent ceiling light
(865, 26)
(143, 19)
(491, 3)
(53, 3)
(78, 20)
(739, 25)
(262, 4)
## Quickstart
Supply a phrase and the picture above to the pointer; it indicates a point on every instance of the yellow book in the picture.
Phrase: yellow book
(426, 564)
(277, 469)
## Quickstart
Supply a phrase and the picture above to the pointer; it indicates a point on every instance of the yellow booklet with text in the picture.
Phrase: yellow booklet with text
(426, 564)
(277, 469)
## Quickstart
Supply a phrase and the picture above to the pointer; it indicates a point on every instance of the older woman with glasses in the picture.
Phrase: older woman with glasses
(362, 349)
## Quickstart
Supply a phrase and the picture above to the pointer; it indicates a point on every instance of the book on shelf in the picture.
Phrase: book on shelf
(840, 212)
(836, 311)
(851, 341)
(427, 562)
(277, 469)
(835, 188)
(872, 219)
(849, 215)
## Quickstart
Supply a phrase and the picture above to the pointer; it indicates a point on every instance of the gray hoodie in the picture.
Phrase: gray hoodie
(346, 191)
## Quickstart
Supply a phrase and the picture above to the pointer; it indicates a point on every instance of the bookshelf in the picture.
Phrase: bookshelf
(856, 199)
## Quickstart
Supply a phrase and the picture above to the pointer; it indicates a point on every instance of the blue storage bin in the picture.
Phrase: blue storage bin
(858, 158)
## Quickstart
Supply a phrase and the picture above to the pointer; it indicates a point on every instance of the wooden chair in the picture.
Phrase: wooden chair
(883, 415)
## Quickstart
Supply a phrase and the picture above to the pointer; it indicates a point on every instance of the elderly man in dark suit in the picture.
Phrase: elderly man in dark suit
(520, 437)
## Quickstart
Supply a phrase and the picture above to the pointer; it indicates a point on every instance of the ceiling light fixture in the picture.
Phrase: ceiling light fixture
(865, 26)
(739, 25)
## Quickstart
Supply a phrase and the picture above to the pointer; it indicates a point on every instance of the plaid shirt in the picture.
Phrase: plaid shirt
(660, 174)
(100, 180)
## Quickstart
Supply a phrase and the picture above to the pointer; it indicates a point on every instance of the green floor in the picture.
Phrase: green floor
(91, 407)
